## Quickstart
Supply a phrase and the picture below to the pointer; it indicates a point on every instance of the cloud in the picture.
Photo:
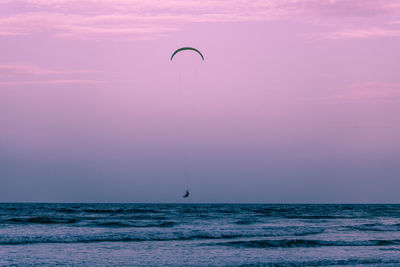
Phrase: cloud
(371, 91)
(372, 32)
(154, 18)
(333, 7)
(18, 74)
(348, 34)
(80, 25)
(51, 81)
(127, 18)
(349, 8)
(16, 69)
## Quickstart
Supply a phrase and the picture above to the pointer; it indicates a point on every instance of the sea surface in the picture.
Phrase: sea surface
(199, 235)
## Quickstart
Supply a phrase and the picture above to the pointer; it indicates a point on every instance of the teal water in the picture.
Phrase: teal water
(199, 235)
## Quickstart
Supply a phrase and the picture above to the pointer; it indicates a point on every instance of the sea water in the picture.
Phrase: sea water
(199, 235)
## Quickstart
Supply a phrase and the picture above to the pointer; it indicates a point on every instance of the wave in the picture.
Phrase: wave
(147, 217)
(309, 232)
(110, 238)
(131, 237)
(135, 224)
(162, 231)
(346, 262)
(270, 210)
(122, 210)
(376, 227)
(245, 222)
(67, 210)
(165, 224)
(321, 217)
(112, 224)
(43, 220)
(122, 221)
(288, 243)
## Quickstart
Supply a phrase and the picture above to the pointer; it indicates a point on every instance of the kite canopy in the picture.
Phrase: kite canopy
(187, 48)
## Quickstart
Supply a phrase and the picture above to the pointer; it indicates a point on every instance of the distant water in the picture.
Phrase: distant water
(199, 234)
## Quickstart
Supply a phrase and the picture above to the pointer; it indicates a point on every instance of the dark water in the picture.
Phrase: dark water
(199, 234)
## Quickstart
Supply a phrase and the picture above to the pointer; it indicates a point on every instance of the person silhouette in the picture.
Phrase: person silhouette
(186, 194)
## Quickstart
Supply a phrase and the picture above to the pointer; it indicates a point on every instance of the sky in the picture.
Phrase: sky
(297, 101)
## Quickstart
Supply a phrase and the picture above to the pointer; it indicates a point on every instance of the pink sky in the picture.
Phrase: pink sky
(296, 101)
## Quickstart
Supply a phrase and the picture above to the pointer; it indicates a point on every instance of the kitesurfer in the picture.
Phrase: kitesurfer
(186, 194)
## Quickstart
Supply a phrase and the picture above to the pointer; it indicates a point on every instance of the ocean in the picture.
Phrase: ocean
(199, 235)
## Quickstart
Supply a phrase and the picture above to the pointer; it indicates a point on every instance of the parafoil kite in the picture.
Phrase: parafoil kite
(187, 48)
